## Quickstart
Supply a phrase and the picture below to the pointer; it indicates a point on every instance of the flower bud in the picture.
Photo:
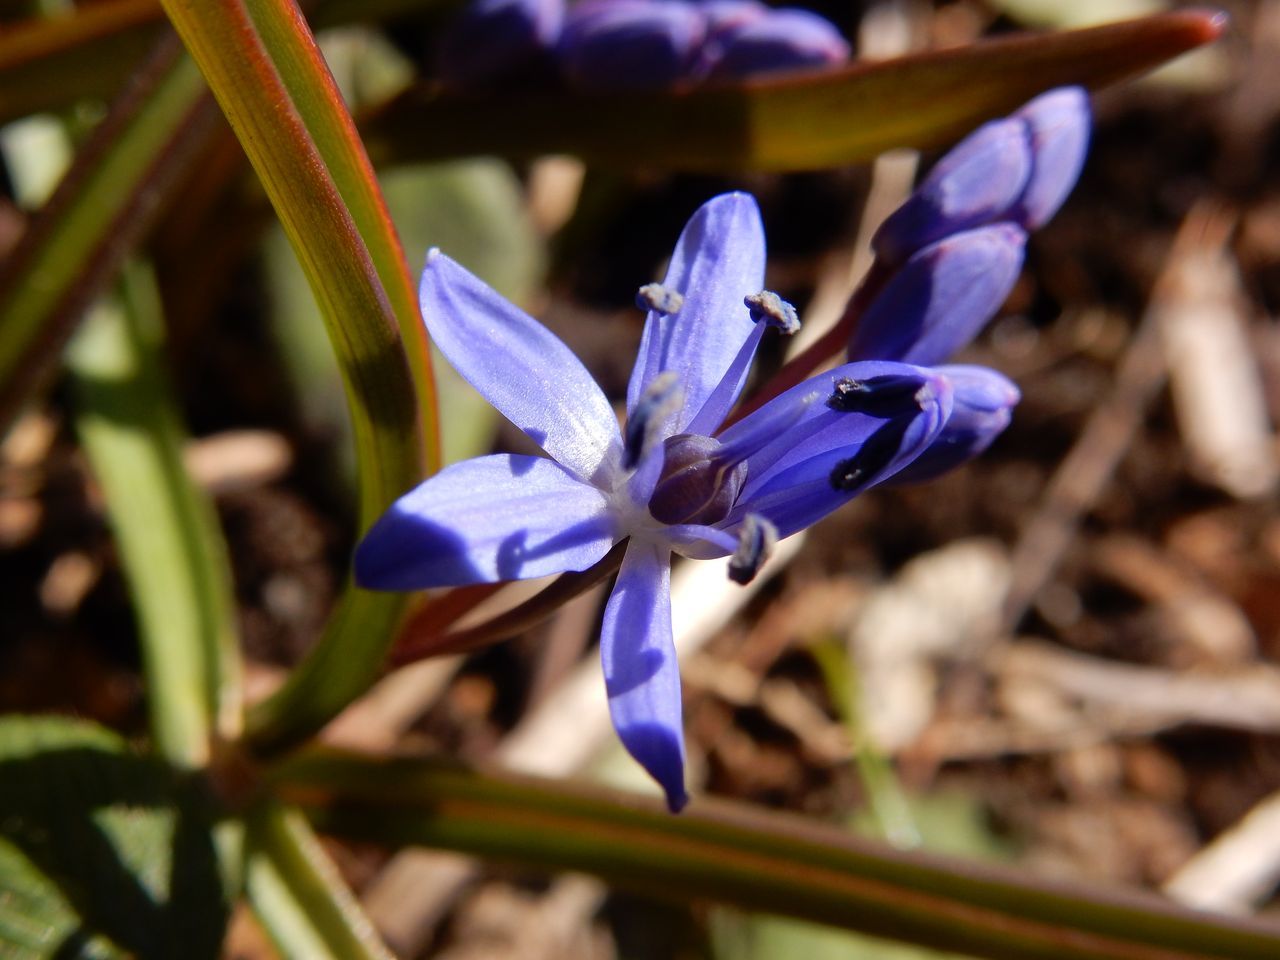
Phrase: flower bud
(492, 39)
(982, 405)
(1058, 125)
(631, 44)
(777, 40)
(941, 297)
(978, 181)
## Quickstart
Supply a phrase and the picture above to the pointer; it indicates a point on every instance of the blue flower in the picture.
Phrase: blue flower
(670, 480)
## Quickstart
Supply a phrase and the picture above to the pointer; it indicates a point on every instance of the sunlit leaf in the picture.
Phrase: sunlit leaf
(170, 544)
(263, 66)
(805, 122)
(102, 850)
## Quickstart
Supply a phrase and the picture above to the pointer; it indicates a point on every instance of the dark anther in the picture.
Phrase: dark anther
(756, 539)
(770, 308)
(660, 299)
(886, 396)
(659, 398)
(875, 454)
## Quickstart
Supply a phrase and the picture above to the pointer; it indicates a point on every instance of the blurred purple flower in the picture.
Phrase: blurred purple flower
(776, 40)
(631, 44)
(667, 481)
(494, 39)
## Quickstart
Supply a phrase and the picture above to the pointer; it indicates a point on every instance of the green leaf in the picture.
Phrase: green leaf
(101, 850)
(103, 205)
(271, 83)
(818, 120)
(297, 893)
(471, 208)
(755, 861)
(170, 543)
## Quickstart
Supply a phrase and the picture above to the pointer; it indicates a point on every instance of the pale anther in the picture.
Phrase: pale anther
(770, 308)
(659, 299)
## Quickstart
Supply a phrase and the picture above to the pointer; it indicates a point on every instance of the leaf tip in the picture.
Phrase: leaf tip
(1206, 24)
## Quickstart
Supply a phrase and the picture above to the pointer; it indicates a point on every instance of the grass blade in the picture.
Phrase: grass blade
(168, 535)
(298, 895)
(758, 861)
(104, 204)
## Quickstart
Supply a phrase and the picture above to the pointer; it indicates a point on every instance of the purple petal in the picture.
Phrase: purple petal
(793, 425)
(781, 40)
(519, 366)
(983, 405)
(718, 260)
(494, 38)
(941, 297)
(978, 181)
(1058, 129)
(725, 394)
(798, 488)
(502, 517)
(641, 674)
(630, 44)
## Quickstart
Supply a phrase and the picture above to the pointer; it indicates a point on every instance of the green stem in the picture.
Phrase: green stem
(297, 893)
(758, 861)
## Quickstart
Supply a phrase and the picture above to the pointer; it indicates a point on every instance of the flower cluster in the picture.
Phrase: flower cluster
(671, 480)
(634, 44)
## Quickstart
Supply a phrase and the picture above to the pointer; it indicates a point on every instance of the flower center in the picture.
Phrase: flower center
(698, 485)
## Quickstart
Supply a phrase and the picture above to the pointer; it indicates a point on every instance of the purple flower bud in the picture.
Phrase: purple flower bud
(1020, 169)
(631, 44)
(491, 39)
(1058, 130)
(978, 181)
(778, 40)
(941, 297)
(982, 404)
(725, 15)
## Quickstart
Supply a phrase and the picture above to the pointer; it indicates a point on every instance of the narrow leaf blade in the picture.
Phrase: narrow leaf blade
(244, 72)
(806, 122)
(297, 893)
(170, 543)
(106, 202)
(754, 860)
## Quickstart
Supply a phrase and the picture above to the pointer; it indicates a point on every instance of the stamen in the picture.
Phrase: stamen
(773, 310)
(756, 539)
(886, 396)
(876, 453)
(660, 398)
(660, 299)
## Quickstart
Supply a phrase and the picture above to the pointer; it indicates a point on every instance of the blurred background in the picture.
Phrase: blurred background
(1062, 655)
